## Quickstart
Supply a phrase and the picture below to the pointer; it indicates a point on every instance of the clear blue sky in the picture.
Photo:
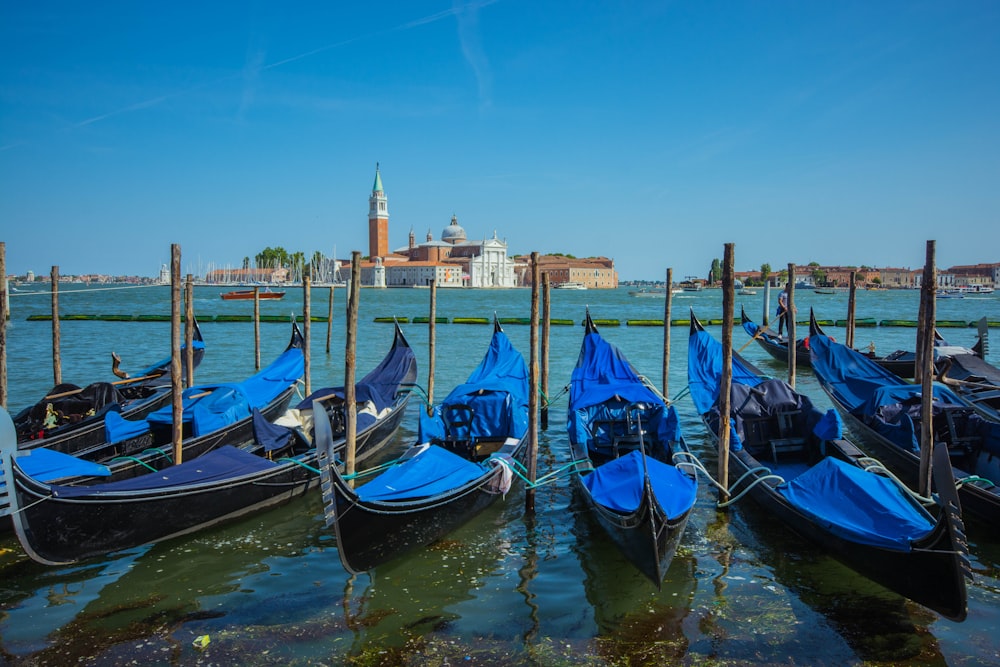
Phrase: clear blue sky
(651, 132)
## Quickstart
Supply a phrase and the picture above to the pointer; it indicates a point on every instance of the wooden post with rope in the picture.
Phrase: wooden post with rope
(728, 298)
(852, 297)
(431, 346)
(531, 464)
(350, 361)
(256, 328)
(56, 356)
(927, 292)
(176, 377)
(3, 324)
(307, 330)
(189, 330)
(546, 322)
(329, 321)
(790, 322)
(667, 306)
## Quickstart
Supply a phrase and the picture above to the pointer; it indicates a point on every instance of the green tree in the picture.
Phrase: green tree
(765, 272)
(715, 273)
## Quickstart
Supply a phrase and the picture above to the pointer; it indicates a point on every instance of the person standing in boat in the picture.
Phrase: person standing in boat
(782, 309)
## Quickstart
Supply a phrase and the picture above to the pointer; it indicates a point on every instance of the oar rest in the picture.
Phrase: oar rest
(788, 440)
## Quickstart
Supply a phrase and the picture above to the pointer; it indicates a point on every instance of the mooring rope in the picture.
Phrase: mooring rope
(875, 466)
(697, 465)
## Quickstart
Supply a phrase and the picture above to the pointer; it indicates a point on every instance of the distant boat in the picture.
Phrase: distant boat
(248, 294)
(655, 293)
(570, 286)
(746, 291)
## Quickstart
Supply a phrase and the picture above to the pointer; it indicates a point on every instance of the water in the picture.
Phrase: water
(504, 589)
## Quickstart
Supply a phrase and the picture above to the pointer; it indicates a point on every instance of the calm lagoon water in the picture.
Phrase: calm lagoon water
(505, 589)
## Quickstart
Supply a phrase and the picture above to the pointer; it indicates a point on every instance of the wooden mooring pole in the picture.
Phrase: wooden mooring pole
(927, 293)
(790, 321)
(4, 315)
(852, 297)
(529, 496)
(350, 361)
(431, 346)
(667, 306)
(546, 326)
(189, 330)
(307, 330)
(56, 355)
(728, 299)
(329, 321)
(256, 328)
(176, 376)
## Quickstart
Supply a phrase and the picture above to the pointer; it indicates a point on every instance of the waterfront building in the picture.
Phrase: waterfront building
(452, 261)
(589, 272)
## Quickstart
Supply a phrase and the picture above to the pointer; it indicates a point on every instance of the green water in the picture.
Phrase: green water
(505, 589)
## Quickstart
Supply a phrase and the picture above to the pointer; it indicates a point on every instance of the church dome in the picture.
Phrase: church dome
(453, 233)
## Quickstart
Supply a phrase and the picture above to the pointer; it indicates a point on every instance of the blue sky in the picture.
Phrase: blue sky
(651, 132)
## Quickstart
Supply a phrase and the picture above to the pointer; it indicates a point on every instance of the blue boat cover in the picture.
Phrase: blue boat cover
(858, 506)
(433, 471)
(267, 435)
(619, 484)
(602, 387)
(497, 391)
(225, 463)
(46, 464)
(705, 370)
(226, 404)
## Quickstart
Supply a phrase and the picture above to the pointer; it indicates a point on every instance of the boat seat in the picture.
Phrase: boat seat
(458, 430)
(787, 441)
(620, 435)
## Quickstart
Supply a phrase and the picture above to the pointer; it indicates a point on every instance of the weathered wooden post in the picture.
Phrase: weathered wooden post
(767, 302)
(790, 321)
(56, 355)
(431, 345)
(852, 296)
(329, 321)
(529, 496)
(176, 377)
(350, 361)
(667, 306)
(928, 290)
(256, 327)
(4, 314)
(546, 322)
(918, 361)
(307, 330)
(728, 298)
(189, 330)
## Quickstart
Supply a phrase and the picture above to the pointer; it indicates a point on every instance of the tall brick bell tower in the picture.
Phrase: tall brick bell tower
(378, 220)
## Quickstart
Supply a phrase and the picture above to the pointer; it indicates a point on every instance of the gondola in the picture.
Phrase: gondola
(86, 517)
(885, 411)
(70, 418)
(772, 343)
(460, 464)
(972, 377)
(624, 440)
(792, 459)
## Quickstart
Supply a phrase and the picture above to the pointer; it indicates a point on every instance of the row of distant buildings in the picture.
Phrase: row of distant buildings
(962, 276)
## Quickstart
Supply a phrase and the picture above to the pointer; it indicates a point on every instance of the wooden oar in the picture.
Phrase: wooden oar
(115, 383)
(760, 330)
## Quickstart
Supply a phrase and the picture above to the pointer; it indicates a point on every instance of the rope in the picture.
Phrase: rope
(30, 505)
(875, 466)
(132, 458)
(972, 479)
(684, 392)
(300, 463)
(418, 390)
(157, 450)
(697, 465)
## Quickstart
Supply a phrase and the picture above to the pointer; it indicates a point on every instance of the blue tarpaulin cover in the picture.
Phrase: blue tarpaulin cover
(618, 485)
(705, 371)
(226, 462)
(602, 387)
(497, 392)
(857, 505)
(434, 470)
(46, 464)
(226, 404)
